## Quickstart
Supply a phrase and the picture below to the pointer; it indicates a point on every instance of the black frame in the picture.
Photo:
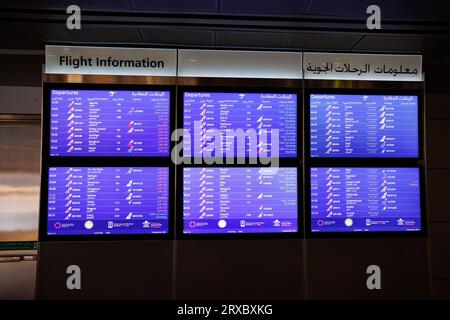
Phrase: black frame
(259, 235)
(303, 162)
(420, 114)
(366, 234)
(373, 162)
(47, 87)
(296, 162)
(48, 161)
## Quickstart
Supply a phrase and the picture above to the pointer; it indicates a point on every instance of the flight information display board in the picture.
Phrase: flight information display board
(107, 200)
(228, 112)
(365, 199)
(364, 126)
(219, 200)
(109, 123)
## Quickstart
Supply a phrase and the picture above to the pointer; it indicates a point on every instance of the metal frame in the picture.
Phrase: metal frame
(117, 83)
(369, 87)
(241, 85)
(9, 119)
(302, 87)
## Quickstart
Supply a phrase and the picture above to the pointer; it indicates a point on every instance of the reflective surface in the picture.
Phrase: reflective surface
(19, 179)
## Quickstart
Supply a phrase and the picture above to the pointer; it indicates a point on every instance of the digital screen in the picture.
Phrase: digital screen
(364, 126)
(365, 199)
(107, 200)
(268, 119)
(240, 200)
(109, 123)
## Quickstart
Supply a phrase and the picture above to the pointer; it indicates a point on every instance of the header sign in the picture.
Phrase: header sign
(344, 66)
(240, 64)
(110, 61)
(231, 64)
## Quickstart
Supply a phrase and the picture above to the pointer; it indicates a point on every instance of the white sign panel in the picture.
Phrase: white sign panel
(110, 61)
(239, 64)
(344, 66)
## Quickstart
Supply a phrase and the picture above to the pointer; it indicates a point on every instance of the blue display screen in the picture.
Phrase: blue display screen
(240, 200)
(369, 126)
(365, 199)
(109, 123)
(262, 113)
(107, 200)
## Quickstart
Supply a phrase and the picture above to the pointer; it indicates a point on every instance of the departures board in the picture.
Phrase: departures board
(219, 200)
(109, 123)
(260, 114)
(108, 200)
(363, 163)
(108, 173)
(345, 199)
(365, 125)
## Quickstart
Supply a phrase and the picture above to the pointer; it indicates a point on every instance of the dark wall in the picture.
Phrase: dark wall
(21, 70)
(438, 173)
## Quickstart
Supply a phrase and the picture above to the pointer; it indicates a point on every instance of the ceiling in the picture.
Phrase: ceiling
(326, 25)
(395, 9)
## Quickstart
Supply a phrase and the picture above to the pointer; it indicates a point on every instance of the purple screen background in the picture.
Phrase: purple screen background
(239, 200)
(368, 126)
(225, 111)
(107, 200)
(109, 123)
(365, 199)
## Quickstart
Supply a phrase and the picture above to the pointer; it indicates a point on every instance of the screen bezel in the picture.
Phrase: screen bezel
(335, 91)
(366, 234)
(48, 161)
(296, 162)
(43, 223)
(364, 162)
(259, 235)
